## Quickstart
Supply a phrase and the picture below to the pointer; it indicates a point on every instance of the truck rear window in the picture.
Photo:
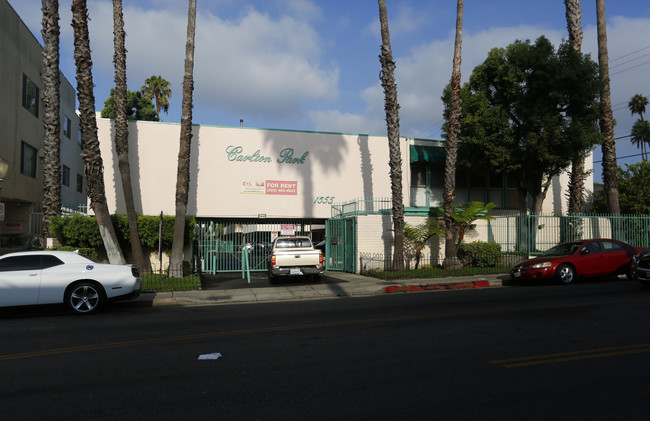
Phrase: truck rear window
(293, 243)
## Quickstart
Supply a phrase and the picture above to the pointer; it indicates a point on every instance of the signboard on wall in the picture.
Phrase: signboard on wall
(287, 229)
(275, 187)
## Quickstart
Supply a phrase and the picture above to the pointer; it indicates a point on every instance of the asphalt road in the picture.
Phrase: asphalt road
(529, 352)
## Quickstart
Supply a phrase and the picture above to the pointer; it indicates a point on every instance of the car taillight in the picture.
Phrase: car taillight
(320, 258)
(135, 271)
(273, 260)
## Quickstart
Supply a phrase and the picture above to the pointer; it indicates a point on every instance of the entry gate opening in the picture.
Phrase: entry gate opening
(219, 243)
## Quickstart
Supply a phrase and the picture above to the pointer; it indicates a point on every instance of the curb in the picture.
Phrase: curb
(437, 286)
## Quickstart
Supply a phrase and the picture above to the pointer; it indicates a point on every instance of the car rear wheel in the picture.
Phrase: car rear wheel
(565, 274)
(84, 298)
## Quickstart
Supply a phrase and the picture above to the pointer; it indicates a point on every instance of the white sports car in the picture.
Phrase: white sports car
(50, 277)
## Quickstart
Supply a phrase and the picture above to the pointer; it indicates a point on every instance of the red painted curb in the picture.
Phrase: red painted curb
(432, 287)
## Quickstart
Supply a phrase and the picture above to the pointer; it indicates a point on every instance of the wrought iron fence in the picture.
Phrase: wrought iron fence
(534, 234)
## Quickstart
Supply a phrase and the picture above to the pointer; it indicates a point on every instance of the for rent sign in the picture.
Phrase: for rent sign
(281, 187)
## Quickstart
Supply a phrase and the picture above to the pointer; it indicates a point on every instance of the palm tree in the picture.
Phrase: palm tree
(577, 175)
(91, 154)
(451, 145)
(391, 107)
(122, 132)
(641, 133)
(183, 175)
(51, 116)
(157, 89)
(417, 237)
(610, 180)
(637, 106)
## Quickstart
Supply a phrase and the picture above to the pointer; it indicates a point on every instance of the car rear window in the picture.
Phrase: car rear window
(293, 243)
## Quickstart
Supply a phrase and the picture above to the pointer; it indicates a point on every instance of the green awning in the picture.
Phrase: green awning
(427, 153)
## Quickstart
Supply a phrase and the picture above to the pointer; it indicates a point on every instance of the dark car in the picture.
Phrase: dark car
(587, 258)
(641, 267)
(10, 243)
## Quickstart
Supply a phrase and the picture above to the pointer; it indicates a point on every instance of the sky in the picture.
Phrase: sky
(313, 65)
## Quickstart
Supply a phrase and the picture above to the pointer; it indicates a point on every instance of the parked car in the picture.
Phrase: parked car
(19, 242)
(567, 261)
(50, 277)
(641, 267)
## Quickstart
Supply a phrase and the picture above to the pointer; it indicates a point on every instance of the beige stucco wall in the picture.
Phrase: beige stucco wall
(335, 168)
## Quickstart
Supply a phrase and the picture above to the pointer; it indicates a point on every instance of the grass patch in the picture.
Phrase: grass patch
(162, 282)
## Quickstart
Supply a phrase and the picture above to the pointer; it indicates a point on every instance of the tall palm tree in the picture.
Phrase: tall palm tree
(641, 134)
(158, 90)
(577, 175)
(391, 106)
(606, 120)
(637, 106)
(51, 116)
(122, 132)
(183, 175)
(451, 145)
(91, 154)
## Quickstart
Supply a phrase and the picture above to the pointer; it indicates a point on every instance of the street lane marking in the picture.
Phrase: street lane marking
(572, 356)
(137, 342)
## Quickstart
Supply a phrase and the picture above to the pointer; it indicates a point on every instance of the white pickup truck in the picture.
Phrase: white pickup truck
(295, 256)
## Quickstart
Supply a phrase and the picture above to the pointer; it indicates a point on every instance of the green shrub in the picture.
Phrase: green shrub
(88, 252)
(480, 254)
(80, 231)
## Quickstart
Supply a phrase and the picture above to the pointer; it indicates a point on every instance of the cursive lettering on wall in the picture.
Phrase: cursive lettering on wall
(236, 153)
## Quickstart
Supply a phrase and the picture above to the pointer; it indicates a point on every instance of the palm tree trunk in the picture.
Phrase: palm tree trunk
(51, 115)
(577, 175)
(606, 120)
(183, 175)
(451, 259)
(391, 107)
(122, 133)
(91, 154)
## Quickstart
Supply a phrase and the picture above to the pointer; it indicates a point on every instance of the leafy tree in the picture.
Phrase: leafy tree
(138, 107)
(391, 106)
(183, 173)
(417, 237)
(528, 111)
(51, 116)
(451, 146)
(91, 153)
(634, 190)
(122, 131)
(158, 89)
(606, 118)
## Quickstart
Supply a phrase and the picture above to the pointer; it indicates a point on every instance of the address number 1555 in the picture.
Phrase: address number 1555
(324, 200)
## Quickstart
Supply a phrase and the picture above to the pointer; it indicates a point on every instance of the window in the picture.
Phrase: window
(31, 262)
(28, 155)
(67, 126)
(79, 137)
(30, 96)
(65, 175)
(80, 183)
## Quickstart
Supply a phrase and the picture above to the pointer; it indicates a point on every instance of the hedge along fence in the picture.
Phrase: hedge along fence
(82, 232)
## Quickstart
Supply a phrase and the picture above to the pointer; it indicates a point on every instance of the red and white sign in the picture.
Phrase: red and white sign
(287, 229)
(281, 187)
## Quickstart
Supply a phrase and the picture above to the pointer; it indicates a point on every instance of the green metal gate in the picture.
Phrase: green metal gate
(340, 248)
(219, 243)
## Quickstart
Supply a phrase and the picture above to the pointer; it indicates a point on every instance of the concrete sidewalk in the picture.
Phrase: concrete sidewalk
(234, 289)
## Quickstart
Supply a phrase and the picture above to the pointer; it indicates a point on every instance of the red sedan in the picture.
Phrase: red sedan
(566, 261)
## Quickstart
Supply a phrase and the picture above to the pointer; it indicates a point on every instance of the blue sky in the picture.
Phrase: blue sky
(313, 65)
